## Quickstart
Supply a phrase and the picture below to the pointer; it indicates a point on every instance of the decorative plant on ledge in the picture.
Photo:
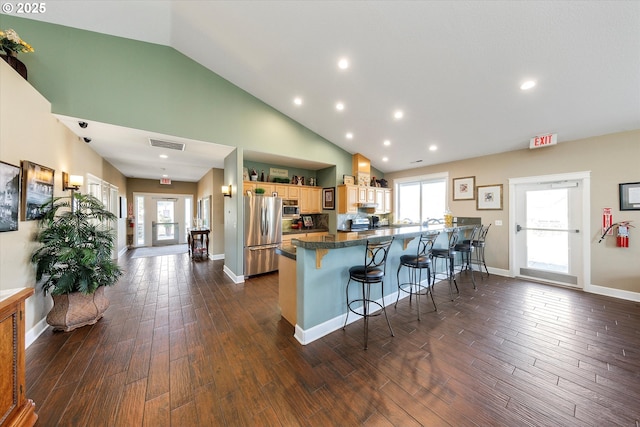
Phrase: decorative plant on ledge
(12, 44)
(74, 259)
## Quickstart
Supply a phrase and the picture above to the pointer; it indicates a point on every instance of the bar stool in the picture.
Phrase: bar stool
(466, 249)
(479, 245)
(447, 254)
(372, 271)
(416, 263)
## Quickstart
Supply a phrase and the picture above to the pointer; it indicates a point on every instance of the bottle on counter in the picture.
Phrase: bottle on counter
(448, 218)
(262, 176)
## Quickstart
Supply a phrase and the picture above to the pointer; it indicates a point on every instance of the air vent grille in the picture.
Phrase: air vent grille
(169, 145)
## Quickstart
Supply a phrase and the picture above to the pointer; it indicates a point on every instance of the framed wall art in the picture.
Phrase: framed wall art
(9, 196)
(489, 197)
(329, 198)
(37, 188)
(348, 179)
(464, 188)
(629, 196)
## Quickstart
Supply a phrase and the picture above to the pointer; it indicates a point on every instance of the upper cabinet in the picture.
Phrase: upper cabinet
(349, 196)
(309, 198)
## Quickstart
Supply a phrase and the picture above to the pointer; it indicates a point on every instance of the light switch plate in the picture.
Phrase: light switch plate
(498, 222)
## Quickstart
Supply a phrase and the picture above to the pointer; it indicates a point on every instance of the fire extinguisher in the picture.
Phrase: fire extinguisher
(622, 237)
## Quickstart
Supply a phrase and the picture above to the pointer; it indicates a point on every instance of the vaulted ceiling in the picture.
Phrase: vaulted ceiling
(454, 68)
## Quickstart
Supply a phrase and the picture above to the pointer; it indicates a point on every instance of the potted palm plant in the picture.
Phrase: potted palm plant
(73, 260)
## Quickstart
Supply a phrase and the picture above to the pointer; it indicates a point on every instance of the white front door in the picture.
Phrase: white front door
(549, 231)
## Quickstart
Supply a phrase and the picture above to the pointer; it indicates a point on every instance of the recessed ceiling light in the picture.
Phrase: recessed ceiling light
(297, 100)
(349, 135)
(433, 148)
(164, 175)
(527, 85)
(343, 64)
(398, 114)
(164, 156)
(339, 106)
(387, 142)
(385, 159)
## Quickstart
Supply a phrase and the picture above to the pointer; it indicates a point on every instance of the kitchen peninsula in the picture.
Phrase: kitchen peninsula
(321, 274)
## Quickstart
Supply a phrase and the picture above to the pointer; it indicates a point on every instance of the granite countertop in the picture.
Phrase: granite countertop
(347, 239)
(288, 251)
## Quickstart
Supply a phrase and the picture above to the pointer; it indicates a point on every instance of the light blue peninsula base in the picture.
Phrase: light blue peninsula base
(322, 272)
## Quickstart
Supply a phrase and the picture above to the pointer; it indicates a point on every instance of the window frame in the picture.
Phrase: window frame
(419, 179)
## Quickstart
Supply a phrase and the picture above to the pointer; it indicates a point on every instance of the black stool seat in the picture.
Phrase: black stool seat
(415, 261)
(361, 272)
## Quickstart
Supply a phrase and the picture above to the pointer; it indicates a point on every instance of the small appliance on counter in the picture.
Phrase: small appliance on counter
(359, 224)
(374, 222)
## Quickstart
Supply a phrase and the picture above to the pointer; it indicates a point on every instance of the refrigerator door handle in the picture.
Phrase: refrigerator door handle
(262, 248)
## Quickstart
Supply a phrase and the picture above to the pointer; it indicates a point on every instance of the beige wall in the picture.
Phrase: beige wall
(612, 159)
(210, 185)
(28, 131)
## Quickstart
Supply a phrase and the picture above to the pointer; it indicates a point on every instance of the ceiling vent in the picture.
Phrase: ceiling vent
(169, 145)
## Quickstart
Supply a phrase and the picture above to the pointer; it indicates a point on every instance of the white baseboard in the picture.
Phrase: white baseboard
(232, 276)
(615, 293)
(306, 336)
(215, 257)
(499, 272)
(123, 251)
(33, 333)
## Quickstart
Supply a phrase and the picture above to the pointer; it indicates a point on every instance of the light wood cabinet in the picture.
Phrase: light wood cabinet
(294, 192)
(383, 200)
(15, 408)
(388, 200)
(309, 198)
(282, 190)
(362, 194)
(348, 199)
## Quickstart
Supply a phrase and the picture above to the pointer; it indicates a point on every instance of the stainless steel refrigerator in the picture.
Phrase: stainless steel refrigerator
(262, 233)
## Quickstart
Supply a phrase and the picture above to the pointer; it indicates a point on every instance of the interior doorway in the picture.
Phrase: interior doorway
(549, 223)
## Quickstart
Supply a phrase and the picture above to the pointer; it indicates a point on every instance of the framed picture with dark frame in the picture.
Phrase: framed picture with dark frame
(37, 188)
(9, 196)
(464, 188)
(329, 198)
(489, 197)
(629, 196)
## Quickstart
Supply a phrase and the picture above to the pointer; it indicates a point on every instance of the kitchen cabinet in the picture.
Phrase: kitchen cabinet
(348, 198)
(371, 194)
(310, 200)
(383, 200)
(282, 190)
(362, 194)
(294, 192)
(15, 408)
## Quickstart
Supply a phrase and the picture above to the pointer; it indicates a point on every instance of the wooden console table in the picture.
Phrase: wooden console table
(15, 408)
(198, 240)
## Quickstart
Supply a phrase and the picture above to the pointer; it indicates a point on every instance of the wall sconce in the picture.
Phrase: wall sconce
(71, 182)
(226, 190)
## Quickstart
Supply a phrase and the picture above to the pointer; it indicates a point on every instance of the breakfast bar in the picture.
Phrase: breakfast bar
(321, 273)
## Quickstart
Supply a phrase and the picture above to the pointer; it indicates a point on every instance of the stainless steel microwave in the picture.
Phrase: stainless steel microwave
(290, 209)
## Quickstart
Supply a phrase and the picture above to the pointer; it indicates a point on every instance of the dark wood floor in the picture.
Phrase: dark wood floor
(181, 345)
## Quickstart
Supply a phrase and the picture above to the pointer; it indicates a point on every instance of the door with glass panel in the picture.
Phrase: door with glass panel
(548, 232)
(165, 227)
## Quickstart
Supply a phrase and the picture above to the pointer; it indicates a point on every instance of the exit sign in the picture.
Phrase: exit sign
(165, 181)
(543, 140)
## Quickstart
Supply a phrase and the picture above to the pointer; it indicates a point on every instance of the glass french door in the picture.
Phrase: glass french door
(548, 236)
(165, 227)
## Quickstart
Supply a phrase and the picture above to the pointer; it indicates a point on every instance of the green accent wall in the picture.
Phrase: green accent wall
(152, 87)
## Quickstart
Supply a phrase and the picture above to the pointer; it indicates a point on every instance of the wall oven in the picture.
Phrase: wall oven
(290, 209)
